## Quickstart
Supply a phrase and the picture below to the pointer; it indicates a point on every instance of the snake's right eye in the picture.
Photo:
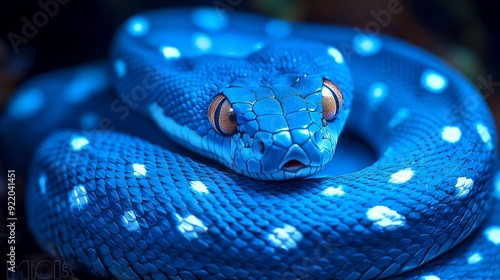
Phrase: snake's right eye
(332, 100)
(222, 116)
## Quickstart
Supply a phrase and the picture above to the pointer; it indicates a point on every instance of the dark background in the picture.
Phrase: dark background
(465, 33)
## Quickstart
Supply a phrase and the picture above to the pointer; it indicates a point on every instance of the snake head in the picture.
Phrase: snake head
(275, 114)
(280, 129)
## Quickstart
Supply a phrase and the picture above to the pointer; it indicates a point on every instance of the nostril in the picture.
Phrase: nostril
(258, 147)
(261, 147)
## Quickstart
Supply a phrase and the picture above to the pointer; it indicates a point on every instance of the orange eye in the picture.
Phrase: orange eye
(221, 116)
(332, 100)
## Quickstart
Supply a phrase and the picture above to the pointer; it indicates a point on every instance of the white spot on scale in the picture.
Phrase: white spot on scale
(78, 197)
(451, 134)
(378, 92)
(485, 134)
(331, 191)
(430, 277)
(366, 45)
(170, 52)
(138, 26)
(258, 46)
(399, 117)
(120, 68)
(285, 237)
(42, 183)
(492, 233)
(209, 19)
(385, 217)
(433, 81)
(278, 28)
(129, 220)
(475, 258)
(202, 41)
(86, 82)
(79, 143)
(190, 226)
(26, 103)
(337, 56)
(402, 176)
(139, 170)
(463, 186)
(199, 186)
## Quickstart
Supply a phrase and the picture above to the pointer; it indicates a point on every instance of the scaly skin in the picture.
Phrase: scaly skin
(116, 205)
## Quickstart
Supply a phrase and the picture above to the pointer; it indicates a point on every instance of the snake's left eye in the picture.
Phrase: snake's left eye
(221, 116)
(332, 100)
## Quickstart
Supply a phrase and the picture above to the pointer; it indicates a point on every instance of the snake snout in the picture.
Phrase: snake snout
(295, 159)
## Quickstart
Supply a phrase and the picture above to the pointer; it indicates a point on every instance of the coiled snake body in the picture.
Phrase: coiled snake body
(268, 99)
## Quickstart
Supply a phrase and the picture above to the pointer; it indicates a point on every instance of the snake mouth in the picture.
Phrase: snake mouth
(293, 166)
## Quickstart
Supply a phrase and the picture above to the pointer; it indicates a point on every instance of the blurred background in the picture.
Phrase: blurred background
(465, 33)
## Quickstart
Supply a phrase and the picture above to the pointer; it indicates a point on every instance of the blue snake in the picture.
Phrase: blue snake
(264, 101)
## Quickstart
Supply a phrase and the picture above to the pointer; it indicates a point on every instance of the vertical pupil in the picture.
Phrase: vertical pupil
(224, 117)
(221, 115)
(218, 115)
(232, 115)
